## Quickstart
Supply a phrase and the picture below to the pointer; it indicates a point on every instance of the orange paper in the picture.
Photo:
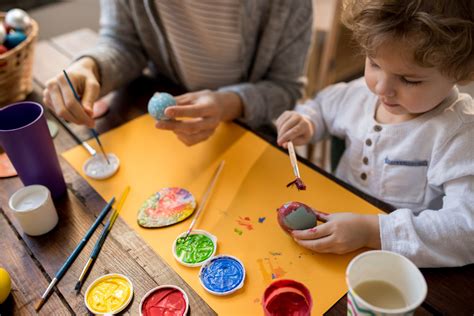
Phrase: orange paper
(241, 211)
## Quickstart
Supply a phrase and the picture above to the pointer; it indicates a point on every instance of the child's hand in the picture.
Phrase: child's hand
(295, 127)
(341, 233)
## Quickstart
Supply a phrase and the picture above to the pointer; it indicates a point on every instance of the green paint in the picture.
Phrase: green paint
(238, 231)
(194, 249)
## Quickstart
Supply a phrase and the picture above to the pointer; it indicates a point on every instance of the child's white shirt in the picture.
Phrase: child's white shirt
(424, 167)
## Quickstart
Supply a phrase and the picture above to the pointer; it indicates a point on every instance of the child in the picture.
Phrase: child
(409, 133)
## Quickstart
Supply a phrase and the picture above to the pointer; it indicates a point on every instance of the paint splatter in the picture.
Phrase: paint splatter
(275, 253)
(238, 231)
(261, 219)
(270, 269)
(245, 222)
(256, 301)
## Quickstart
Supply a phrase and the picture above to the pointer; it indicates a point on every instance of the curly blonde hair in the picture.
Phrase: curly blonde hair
(441, 32)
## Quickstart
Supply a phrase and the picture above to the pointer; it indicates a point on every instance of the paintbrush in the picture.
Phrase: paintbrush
(294, 163)
(88, 147)
(205, 198)
(93, 131)
(74, 254)
(100, 241)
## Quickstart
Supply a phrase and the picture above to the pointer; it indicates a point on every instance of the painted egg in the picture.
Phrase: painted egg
(3, 49)
(13, 39)
(3, 33)
(5, 285)
(158, 103)
(166, 207)
(296, 216)
(18, 19)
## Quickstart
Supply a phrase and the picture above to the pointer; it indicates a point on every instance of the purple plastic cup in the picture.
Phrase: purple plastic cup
(25, 137)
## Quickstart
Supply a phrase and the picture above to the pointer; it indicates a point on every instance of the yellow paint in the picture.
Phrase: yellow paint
(5, 285)
(252, 184)
(109, 294)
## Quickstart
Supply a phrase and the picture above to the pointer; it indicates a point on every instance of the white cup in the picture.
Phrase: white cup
(34, 209)
(388, 267)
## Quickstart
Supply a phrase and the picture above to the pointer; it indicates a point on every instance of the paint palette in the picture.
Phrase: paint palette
(109, 294)
(195, 250)
(222, 275)
(165, 300)
(287, 297)
(296, 216)
(97, 167)
(166, 207)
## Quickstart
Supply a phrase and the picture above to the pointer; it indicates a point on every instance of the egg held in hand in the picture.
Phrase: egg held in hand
(296, 216)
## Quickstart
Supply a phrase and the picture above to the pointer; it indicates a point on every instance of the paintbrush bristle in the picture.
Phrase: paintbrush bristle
(298, 183)
(39, 304)
(78, 287)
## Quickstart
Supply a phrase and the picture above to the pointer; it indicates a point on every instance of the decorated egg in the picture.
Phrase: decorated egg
(5, 285)
(166, 207)
(18, 19)
(14, 38)
(296, 216)
(3, 49)
(3, 33)
(158, 103)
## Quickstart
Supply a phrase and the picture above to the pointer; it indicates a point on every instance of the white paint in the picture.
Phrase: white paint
(34, 209)
(97, 167)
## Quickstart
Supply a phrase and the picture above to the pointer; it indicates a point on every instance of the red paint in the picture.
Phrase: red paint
(287, 297)
(165, 301)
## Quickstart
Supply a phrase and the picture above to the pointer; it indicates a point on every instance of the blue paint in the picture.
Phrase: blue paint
(222, 274)
(261, 219)
(158, 103)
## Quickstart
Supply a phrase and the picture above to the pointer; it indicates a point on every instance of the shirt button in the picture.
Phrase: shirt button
(365, 160)
(377, 128)
(368, 142)
(363, 176)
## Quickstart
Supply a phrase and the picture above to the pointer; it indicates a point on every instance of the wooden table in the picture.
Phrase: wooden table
(33, 261)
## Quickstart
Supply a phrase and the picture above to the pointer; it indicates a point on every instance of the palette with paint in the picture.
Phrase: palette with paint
(196, 249)
(166, 207)
(165, 300)
(296, 216)
(109, 294)
(97, 167)
(222, 275)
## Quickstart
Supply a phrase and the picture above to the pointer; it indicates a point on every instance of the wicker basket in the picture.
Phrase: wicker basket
(16, 68)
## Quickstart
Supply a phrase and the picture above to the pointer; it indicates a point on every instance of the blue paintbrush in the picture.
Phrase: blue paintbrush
(100, 241)
(93, 131)
(74, 254)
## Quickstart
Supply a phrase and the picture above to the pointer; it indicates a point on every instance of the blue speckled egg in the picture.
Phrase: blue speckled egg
(13, 39)
(158, 103)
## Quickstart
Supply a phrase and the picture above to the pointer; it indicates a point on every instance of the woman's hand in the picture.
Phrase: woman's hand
(202, 112)
(341, 233)
(59, 97)
(295, 127)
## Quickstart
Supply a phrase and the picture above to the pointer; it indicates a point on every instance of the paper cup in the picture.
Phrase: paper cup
(195, 257)
(384, 283)
(34, 209)
(162, 297)
(109, 294)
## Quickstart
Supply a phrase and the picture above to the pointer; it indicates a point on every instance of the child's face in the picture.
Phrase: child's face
(404, 88)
